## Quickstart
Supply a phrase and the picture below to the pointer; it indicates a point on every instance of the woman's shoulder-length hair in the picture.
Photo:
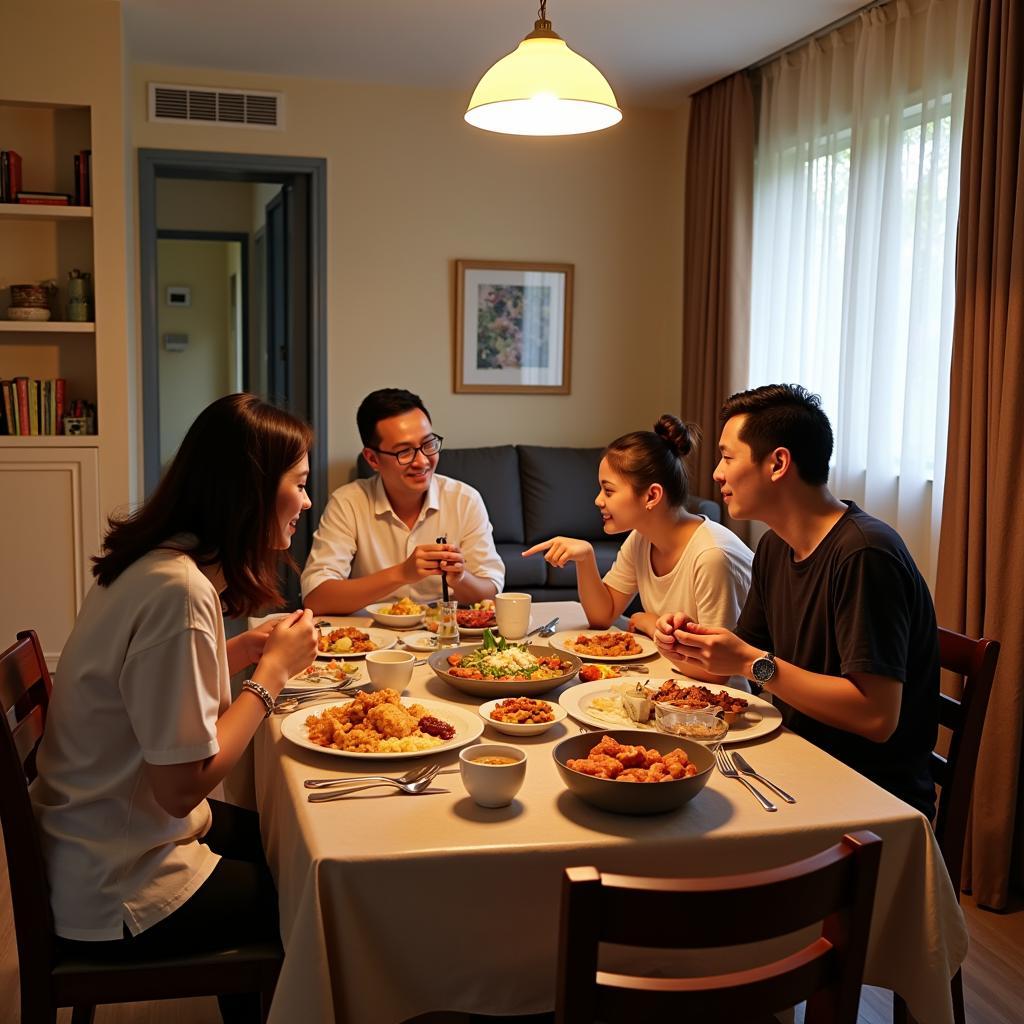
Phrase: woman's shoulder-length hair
(220, 488)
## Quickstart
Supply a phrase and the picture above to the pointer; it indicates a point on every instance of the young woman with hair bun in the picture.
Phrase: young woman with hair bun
(676, 560)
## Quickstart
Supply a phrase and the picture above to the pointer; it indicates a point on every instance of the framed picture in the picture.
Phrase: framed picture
(513, 327)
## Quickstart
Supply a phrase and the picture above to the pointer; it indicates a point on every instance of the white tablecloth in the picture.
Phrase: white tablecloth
(392, 906)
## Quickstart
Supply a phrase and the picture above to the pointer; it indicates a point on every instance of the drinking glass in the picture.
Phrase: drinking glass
(447, 624)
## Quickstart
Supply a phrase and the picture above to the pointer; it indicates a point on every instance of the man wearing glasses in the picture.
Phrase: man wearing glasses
(377, 538)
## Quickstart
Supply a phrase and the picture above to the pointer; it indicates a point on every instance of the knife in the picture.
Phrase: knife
(742, 764)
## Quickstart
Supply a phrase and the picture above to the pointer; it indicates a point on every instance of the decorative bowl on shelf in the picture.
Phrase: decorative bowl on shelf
(35, 295)
(30, 313)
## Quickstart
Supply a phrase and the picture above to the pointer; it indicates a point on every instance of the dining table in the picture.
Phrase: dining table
(394, 905)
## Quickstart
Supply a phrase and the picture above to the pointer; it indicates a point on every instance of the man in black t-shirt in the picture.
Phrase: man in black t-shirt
(838, 625)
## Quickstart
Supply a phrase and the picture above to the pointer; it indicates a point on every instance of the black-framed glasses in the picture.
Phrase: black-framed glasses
(404, 456)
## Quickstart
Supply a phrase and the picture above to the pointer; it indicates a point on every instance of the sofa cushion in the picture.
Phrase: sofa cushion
(521, 573)
(494, 472)
(559, 487)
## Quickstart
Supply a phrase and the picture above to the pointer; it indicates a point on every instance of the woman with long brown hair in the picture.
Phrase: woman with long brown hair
(672, 557)
(141, 724)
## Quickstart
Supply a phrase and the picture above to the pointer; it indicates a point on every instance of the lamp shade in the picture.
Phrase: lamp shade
(543, 88)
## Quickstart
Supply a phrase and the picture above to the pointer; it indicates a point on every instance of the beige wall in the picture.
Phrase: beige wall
(411, 188)
(57, 52)
(186, 205)
(191, 379)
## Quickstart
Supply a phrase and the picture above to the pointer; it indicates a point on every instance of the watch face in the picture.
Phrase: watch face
(764, 669)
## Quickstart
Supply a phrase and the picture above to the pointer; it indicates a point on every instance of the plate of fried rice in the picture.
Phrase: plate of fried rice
(382, 725)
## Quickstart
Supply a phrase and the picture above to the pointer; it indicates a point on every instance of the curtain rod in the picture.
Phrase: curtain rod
(846, 19)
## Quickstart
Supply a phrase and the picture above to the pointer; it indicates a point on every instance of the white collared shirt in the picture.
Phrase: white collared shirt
(360, 534)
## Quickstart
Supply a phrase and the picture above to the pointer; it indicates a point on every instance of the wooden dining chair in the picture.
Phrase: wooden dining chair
(975, 660)
(834, 889)
(50, 978)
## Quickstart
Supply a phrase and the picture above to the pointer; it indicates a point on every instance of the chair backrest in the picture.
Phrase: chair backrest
(24, 698)
(835, 888)
(975, 660)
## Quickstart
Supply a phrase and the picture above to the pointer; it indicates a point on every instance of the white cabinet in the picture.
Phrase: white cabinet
(49, 531)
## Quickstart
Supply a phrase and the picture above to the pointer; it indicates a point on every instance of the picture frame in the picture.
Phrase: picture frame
(513, 327)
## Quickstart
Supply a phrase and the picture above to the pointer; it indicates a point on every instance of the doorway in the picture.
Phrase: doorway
(274, 342)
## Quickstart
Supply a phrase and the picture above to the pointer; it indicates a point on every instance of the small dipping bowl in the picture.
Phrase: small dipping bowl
(492, 784)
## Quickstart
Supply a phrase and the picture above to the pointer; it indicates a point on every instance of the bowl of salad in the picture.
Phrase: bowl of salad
(500, 668)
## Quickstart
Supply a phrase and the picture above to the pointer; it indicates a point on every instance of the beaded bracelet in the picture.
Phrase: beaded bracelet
(262, 692)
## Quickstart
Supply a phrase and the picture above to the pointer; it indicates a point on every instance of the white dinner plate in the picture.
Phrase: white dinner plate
(423, 640)
(760, 719)
(383, 638)
(477, 631)
(326, 675)
(563, 642)
(468, 727)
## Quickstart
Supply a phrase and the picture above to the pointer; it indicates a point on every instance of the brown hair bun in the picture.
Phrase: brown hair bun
(681, 436)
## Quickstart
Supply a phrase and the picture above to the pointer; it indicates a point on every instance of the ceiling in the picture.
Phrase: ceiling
(653, 52)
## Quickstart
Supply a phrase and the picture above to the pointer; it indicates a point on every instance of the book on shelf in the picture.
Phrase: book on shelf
(43, 198)
(10, 175)
(37, 407)
(83, 177)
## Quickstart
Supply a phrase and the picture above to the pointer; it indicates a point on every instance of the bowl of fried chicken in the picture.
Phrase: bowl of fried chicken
(632, 772)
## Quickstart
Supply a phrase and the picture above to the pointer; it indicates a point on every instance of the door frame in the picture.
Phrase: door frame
(251, 167)
(242, 237)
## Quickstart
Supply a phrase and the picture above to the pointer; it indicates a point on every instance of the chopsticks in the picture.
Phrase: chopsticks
(444, 578)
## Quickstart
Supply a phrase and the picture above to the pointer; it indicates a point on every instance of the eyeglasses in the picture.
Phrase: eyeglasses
(404, 456)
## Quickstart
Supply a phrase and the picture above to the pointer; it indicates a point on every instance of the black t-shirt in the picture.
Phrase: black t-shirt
(857, 603)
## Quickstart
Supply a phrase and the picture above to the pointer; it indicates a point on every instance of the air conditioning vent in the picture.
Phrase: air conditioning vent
(201, 105)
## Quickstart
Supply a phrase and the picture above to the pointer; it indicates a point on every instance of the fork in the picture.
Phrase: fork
(417, 786)
(292, 701)
(726, 767)
(410, 776)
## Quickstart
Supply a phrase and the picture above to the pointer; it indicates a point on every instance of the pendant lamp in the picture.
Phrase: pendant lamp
(543, 88)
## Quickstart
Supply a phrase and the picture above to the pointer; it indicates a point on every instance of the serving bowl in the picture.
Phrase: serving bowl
(393, 621)
(513, 688)
(524, 728)
(704, 727)
(633, 797)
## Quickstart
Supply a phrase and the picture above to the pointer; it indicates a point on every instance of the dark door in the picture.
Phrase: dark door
(287, 247)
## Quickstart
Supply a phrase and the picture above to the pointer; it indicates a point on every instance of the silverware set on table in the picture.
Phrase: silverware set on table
(738, 768)
(413, 782)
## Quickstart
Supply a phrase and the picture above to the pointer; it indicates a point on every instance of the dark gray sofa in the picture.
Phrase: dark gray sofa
(533, 493)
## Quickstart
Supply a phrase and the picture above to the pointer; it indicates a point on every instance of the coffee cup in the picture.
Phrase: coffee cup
(512, 612)
(390, 670)
(492, 773)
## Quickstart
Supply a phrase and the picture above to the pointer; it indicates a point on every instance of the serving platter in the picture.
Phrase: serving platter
(467, 723)
(563, 641)
(494, 688)
(760, 718)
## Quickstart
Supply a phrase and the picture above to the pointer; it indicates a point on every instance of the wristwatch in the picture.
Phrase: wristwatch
(763, 668)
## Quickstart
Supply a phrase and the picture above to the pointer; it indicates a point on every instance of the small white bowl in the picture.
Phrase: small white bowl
(393, 621)
(524, 728)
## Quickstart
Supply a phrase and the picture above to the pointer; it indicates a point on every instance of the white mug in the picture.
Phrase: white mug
(390, 670)
(512, 612)
(492, 785)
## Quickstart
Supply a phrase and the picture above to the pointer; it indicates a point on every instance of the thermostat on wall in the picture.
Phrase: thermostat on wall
(175, 342)
(178, 295)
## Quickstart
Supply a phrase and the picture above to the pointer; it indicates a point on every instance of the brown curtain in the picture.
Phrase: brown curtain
(716, 256)
(981, 546)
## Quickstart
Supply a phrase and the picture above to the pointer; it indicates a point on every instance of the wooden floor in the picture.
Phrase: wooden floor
(993, 978)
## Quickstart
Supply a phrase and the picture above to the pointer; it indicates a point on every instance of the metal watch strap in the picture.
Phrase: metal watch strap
(262, 692)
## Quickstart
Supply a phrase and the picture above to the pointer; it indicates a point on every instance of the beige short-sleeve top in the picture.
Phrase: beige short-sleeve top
(143, 678)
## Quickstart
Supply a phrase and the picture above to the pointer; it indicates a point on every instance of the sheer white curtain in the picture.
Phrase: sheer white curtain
(855, 204)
